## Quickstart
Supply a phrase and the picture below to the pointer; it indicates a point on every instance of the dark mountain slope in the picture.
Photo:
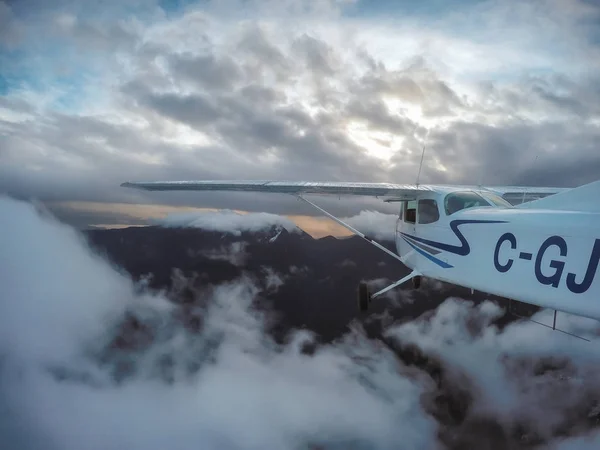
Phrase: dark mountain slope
(312, 282)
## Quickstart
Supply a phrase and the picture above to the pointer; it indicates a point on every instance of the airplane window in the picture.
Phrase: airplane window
(458, 201)
(410, 211)
(428, 211)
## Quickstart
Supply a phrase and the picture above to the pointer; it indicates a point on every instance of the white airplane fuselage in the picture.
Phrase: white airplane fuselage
(543, 257)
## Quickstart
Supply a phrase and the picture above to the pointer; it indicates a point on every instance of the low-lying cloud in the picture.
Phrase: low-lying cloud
(525, 376)
(228, 221)
(374, 224)
(226, 386)
(234, 253)
(89, 359)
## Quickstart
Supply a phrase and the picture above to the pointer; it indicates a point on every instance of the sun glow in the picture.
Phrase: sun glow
(378, 144)
(187, 136)
(317, 227)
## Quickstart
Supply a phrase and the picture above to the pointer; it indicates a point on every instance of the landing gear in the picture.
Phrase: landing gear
(364, 297)
(416, 281)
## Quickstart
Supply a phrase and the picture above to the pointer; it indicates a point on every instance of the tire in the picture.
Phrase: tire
(363, 297)
(416, 281)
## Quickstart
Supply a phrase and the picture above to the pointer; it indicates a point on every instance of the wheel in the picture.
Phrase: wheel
(416, 281)
(364, 297)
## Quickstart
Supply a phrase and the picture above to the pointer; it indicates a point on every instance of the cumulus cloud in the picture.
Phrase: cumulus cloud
(48, 308)
(377, 225)
(69, 374)
(290, 91)
(374, 224)
(514, 373)
(228, 221)
(83, 349)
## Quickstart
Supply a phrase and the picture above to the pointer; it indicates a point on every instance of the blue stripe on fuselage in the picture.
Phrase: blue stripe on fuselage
(428, 249)
(439, 262)
(463, 249)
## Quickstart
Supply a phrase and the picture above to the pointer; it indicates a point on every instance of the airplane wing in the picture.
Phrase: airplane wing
(523, 194)
(400, 191)
(389, 190)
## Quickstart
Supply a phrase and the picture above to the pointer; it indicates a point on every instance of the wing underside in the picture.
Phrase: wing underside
(385, 190)
(286, 187)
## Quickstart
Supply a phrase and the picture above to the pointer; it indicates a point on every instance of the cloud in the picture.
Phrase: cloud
(374, 224)
(298, 271)
(61, 309)
(67, 376)
(84, 348)
(9, 26)
(469, 152)
(347, 263)
(321, 92)
(579, 443)
(514, 372)
(273, 280)
(235, 253)
(228, 221)
(206, 71)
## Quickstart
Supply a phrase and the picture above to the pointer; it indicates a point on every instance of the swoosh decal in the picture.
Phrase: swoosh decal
(428, 249)
(463, 249)
(439, 262)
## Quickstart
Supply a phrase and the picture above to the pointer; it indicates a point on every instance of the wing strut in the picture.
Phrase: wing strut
(411, 275)
(364, 297)
(354, 230)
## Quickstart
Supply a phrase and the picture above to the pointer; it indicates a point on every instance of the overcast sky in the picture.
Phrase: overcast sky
(96, 93)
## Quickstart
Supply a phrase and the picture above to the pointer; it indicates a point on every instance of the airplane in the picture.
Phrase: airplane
(542, 247)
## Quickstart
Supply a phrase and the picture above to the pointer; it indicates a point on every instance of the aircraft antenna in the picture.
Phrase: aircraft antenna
(422, 155)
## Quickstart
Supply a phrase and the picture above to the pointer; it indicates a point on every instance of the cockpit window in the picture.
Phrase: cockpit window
(428, 211)
(457, 201)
